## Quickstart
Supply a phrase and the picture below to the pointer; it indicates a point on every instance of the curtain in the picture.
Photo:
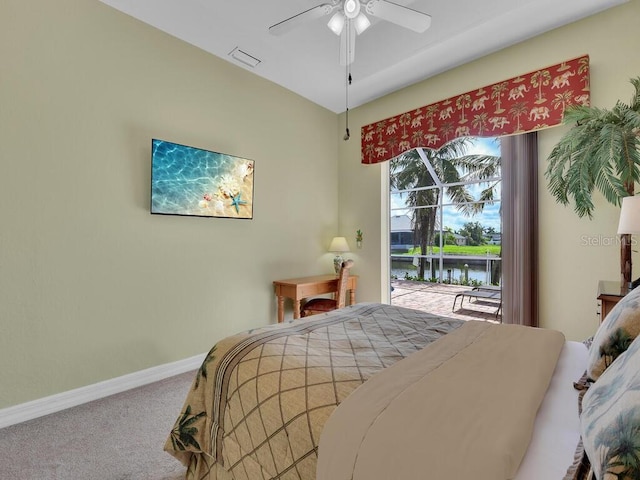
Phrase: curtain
(520, 229)
(525, 103)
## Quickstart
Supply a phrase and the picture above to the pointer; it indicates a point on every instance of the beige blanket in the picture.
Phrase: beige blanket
(261, 398)
(463, 408)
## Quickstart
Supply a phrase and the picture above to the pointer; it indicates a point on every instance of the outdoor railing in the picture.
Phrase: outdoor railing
(453, 268)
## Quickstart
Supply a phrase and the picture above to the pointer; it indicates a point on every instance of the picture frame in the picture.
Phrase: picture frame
(192, 181)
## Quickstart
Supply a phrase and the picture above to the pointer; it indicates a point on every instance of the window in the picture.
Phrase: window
(445, 215)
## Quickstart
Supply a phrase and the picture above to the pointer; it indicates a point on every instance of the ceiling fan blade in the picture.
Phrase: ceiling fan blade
(348, 44)
(289, 24)
(404, 16)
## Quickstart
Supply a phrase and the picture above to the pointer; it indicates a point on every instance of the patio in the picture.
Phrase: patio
(438, 298)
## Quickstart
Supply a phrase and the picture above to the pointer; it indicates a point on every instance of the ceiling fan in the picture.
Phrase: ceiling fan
(349, 19)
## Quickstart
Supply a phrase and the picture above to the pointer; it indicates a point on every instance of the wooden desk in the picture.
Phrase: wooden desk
(298, 289)
(609, 293)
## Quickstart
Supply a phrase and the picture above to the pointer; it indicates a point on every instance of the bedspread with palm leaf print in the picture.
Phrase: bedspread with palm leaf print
(610, 421)
(260, 399)
(619, 328)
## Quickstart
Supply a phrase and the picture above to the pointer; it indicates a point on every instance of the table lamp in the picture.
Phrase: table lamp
(629, 224)
(338, 245)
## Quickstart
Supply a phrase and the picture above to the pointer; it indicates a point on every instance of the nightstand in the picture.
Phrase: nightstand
(609, 293)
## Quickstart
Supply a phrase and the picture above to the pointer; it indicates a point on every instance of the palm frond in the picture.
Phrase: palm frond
(461, 196)
(635, 99)
(487, 196)
(560, 161)
(601, 151)
(609, 185)
(478, 167)
(580, 187)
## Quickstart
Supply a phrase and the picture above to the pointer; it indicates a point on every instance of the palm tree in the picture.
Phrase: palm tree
(561, 100)
(616, 345)
(479, 122)
(620, 441)
(540, 79)
(601, 151)
(516, 111)
(463, 102)
(497, 92)
(451, 166)
(184, 432)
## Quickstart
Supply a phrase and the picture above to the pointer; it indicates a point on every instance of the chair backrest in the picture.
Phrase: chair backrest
(343, 279)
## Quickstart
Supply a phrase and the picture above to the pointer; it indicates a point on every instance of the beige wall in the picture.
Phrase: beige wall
(91, 285)
(570, 263)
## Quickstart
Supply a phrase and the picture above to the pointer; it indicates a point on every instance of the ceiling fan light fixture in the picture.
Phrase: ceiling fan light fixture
(351, 8)
(348, 19)
(336, 24)
(361, 23)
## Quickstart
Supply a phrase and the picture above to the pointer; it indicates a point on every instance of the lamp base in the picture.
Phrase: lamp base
(337, 264)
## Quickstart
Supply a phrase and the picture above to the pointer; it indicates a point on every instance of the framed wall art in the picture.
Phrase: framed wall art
(196, 182)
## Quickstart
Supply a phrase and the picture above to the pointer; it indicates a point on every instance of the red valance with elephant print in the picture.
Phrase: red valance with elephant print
(522, 104)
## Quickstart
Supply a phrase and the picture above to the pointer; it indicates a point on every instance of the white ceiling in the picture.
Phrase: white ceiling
(387, 57)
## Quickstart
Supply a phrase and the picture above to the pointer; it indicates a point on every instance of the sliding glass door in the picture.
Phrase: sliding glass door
(445, 215)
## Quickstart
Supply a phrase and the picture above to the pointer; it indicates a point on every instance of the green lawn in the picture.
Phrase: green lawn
(463, 250)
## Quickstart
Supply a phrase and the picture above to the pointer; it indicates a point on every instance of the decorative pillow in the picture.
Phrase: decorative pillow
(610, 420)
(620, 327)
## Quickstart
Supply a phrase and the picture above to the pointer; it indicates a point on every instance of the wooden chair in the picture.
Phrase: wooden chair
(322, 305)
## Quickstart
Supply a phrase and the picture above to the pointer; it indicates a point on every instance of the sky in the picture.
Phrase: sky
(490, 217)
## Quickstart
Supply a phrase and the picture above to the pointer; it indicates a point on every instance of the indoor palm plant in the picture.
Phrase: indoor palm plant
(600, 152)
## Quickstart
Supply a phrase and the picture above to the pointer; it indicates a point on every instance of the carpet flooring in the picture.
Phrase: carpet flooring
(120, 437)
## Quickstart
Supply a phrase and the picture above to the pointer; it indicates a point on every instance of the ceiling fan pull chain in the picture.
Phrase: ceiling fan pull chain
(347, 135)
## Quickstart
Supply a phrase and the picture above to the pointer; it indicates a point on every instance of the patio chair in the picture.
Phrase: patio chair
(489, 292)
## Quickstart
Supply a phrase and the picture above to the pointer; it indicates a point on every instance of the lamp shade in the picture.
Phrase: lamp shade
(339, 244)
(336, 24)
(630, 216)
(361, 23)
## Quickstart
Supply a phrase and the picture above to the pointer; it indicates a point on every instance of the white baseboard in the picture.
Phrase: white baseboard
(61, 401)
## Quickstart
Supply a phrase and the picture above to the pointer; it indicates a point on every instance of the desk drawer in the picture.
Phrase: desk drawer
(310, 290)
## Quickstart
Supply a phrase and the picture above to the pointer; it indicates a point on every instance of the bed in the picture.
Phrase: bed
(375, 392)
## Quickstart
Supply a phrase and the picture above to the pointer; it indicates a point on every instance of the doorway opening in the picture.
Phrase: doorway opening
(446, 227)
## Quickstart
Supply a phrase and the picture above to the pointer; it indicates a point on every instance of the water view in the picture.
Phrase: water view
(478, 271)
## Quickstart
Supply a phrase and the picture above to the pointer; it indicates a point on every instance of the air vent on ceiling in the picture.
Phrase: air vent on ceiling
(244, 57)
